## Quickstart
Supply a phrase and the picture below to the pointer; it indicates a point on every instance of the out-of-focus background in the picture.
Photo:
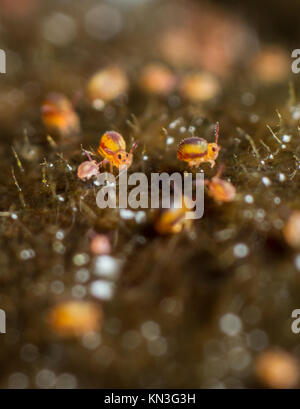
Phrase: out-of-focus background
(102, 299)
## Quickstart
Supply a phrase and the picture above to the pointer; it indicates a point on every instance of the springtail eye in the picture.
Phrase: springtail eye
(120, 156)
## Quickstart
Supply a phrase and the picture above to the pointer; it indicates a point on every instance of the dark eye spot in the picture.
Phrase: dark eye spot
(126, 155)
(214, 149)
(119, 156)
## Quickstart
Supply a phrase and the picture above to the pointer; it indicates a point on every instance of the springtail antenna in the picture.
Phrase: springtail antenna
(217, 131)
(88, 155)
(134, 146)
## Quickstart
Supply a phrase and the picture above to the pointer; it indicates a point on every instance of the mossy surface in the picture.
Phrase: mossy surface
(184, 283)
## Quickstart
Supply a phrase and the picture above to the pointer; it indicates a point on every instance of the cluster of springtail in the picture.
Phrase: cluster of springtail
(58, 114)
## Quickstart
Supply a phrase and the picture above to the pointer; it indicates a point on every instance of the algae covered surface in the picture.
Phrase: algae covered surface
(193, 309)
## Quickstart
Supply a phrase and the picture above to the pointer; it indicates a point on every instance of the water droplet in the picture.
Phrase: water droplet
(230, 324)
(45, 379)
(60, 235)
(249, 199)
(57, 287)
(170, 140)
(104, 290)
(150, 330)
(78, 291)
(66, 381)
(257, 340)
(127, 214)
(107, 266)
(18, 380)
(240, 250)
(266, 181)
(248, 99)
(286, 138)
(158, 347)
(91, 340)
(81, 259)
(82, 275)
